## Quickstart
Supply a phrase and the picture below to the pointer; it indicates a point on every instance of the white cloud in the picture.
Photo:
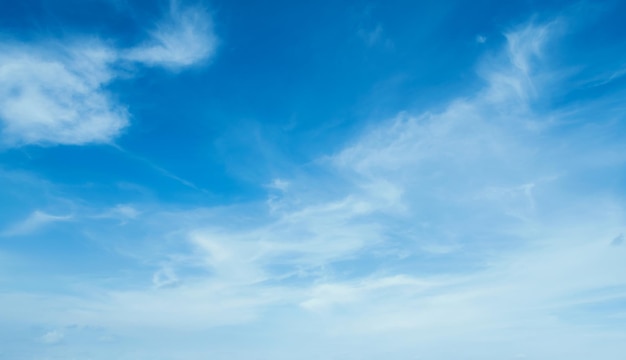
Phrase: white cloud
(325, 296)
(479, 174)
(53, 337)
(122, 212)
(527, 44)
(34, 222)
(279, 184)
(443, 231)
(295, 242)
(126, 211)
(185, 38)
(165, 277)
(53, 93)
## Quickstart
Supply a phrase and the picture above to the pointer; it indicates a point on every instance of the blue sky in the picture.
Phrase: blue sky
(312, 180)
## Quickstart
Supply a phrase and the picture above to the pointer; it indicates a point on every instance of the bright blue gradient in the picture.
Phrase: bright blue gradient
(312, 180)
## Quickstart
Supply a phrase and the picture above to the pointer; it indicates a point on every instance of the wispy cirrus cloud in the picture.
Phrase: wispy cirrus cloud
(35, 221)
(55, 91)
(185, 38)
(430, 232)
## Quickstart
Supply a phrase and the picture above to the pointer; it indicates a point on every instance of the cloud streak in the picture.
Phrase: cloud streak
(35, 221)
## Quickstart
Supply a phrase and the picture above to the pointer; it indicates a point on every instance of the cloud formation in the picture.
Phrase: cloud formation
(34, 222)
(184, 39)
(430, 232)
(52, 337)
(56, 93)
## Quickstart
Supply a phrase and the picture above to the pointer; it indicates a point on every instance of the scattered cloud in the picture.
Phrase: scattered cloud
(183, 39)
(35, 221)
(126, 211)
(53, 337)
(165, 277)
(517, 81)
(279, 184)
(453, 227)
(55, 92)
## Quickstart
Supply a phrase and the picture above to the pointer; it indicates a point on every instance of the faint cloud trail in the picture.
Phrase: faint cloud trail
(35, 221)
(160, 169)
